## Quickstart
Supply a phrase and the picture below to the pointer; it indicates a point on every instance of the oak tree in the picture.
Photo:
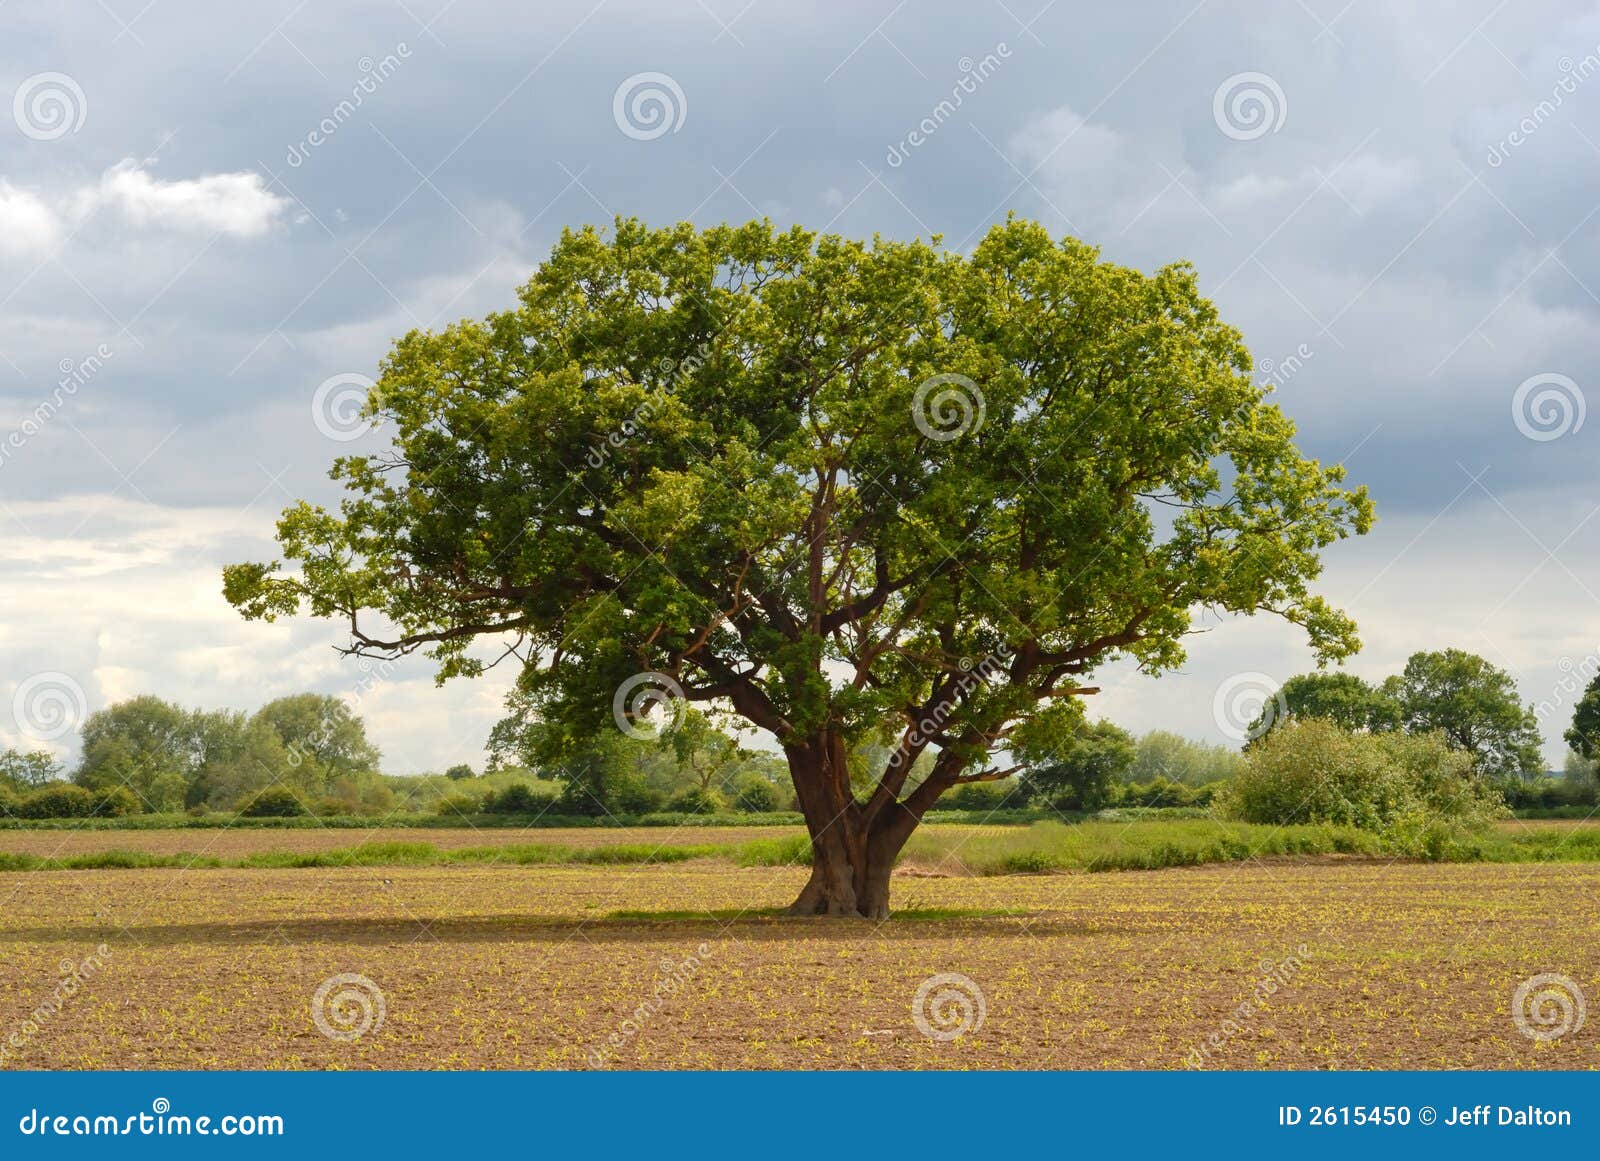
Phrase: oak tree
(849, 491)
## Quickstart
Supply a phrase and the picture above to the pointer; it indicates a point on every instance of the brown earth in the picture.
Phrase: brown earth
(224, 843)
(1371, 966)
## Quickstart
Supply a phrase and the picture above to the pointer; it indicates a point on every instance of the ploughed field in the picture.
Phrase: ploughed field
(1360, 963)
(241, 842)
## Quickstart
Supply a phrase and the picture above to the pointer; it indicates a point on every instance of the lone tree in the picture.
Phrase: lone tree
(850, 491)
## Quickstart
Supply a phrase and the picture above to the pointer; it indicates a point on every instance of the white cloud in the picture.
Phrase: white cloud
(27, 225)
(125, 597)
(229, 203)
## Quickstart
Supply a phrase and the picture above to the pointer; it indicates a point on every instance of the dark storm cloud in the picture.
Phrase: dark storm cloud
(1411, 238)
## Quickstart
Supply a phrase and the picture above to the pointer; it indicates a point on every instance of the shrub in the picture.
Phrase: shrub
(453, 804)
(273, 802)
(1313, 771)
(1158, 792)
(59, 800)
(518, 798)
(115, 801)
(9, 803)
(753, 794)
(694, 800)
(985, 796)
(637, 798)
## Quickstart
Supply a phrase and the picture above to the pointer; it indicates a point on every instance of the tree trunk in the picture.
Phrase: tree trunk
(851, 858)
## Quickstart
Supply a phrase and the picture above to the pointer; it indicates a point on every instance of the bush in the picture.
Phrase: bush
(1158, 792)
(985, 796)
(8, 801)
(59, 800)
(1548, 793)
(115, 801)
(694, 801)
(637, 798)
(454, 804)
(518, 798)
(753, 794)
(1313, 771)
(273, 802)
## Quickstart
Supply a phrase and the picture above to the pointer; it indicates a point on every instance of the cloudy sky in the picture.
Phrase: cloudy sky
(204, 220)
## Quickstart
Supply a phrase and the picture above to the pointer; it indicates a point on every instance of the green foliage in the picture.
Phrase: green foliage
(135, 743)
(1172, 758)
(1341, 698)
(694, 800)
(987, 796)
(321, 736)
(755, 795)
(1312, 771)
(171, 757)
(1125, 846)
(62, 800)
(518, 798)
(459, 771)
(734, 400)
(1086, 768)
(1547, 794)
(1458, 694)
(20, 770)
(115, 802)
(273, 802)
(1584, 734)
(1474, 705)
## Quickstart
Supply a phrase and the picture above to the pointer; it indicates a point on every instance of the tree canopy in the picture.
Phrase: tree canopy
(1474, 704)
(848, 490)
(1584, 733)
(1341, 698)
